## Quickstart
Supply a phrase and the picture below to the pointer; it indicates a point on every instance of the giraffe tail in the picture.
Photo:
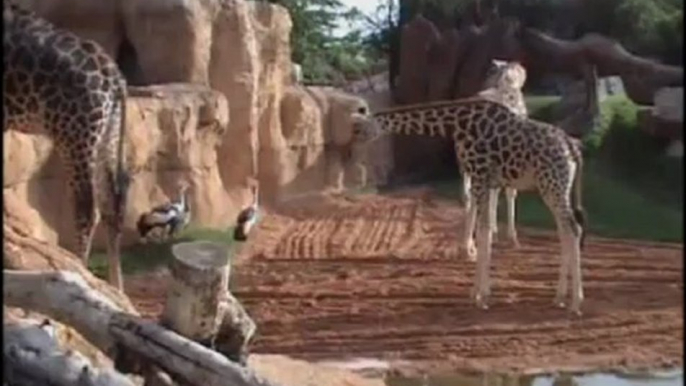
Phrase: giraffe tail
(121, 178)
(576, 193)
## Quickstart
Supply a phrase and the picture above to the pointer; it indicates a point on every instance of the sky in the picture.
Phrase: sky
(365, 6)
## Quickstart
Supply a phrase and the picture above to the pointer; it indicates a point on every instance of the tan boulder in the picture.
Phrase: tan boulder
(289, 138)
(173, 132)
(234, 71)
(317, 129)
(272, 31)
(171, 38)
(96, 20)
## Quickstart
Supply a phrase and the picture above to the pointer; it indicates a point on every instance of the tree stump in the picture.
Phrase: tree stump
(199, 305)
(200, 274)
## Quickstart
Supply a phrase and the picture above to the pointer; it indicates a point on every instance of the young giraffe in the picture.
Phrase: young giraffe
(504, 83)
(68, 88)
(499, 148)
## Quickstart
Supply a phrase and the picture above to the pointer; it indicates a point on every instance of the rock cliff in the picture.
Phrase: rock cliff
(212, 101)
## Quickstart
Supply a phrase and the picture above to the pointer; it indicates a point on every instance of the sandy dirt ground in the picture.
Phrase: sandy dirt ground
(379, 276)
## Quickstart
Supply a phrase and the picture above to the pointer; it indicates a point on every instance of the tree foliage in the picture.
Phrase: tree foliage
(646, 27)
(325, 57)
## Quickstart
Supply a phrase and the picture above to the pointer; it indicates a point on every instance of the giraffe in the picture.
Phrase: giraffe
(499, 148)
(504, 82)
(68, 88)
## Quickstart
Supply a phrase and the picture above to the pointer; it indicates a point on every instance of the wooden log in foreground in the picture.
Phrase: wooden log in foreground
(199, 304)
(32, 357)
(66, 297)
(200, 277)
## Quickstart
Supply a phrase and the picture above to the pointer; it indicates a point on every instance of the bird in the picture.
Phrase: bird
(171, 216)
(247, 218)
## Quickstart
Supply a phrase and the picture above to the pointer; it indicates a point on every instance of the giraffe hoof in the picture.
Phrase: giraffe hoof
(575, 310)
(473, 294)
(480, 298)
(481, 303)
(559, 303)
(513, 243)
(469, 252)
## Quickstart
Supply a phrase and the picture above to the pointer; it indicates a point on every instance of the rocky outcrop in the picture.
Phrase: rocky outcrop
(284, 135)
(173, 132)
(316, 158)
(89, 19)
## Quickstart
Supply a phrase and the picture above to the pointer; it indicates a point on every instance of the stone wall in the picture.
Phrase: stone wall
(198, 63)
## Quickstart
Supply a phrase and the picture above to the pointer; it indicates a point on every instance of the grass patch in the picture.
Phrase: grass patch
(145, 257)
(614, 209)
(541, 107)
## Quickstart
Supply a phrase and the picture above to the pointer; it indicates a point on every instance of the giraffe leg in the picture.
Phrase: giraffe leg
(575, 266)
(569, 232)
(113, 185)
(340, 177)
(467, 247)
(481, 288)
(85, 208)
(466, 191)
(362, 175)
(512, 238)
(570, 264)
(114, 273)
(493, 207)
(563, 276)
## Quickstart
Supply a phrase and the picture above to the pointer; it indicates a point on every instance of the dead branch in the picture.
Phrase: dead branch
(32, 356)
(66, 297)
(641, 77)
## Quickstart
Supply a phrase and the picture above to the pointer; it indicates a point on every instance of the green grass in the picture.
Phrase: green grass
(541, 107)
(614, 209)
(146, 257)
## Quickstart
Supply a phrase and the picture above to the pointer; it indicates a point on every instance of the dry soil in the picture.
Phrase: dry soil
(379, 276)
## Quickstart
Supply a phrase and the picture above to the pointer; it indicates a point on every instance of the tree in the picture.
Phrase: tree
(324, 57)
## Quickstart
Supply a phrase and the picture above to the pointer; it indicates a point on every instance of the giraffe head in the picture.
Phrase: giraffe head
(505, 74)
(364, 128)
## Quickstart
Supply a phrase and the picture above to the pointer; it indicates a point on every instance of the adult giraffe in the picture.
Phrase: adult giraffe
(68, 88)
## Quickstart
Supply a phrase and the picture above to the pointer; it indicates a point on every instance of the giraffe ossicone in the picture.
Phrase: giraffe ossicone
(60, 85)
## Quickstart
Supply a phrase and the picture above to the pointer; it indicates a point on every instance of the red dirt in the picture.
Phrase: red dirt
(379, 276)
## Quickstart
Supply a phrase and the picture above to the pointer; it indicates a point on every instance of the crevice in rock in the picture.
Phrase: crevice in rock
(127, 60)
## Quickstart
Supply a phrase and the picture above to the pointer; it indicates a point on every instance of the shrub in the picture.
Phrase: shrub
(541, 107)
(618, 117)
(627, 152)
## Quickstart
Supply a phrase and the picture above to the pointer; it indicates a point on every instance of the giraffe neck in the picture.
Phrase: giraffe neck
(443, 119)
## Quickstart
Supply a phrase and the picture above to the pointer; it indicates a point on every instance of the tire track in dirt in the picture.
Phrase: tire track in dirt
(380, 276)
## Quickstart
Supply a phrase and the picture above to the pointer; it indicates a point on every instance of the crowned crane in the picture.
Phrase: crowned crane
(172, 216)
(247, 218)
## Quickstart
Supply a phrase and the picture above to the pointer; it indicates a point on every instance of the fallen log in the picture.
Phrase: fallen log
(32, 356)
(200, 277)
(66, 297)
(199, 305)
